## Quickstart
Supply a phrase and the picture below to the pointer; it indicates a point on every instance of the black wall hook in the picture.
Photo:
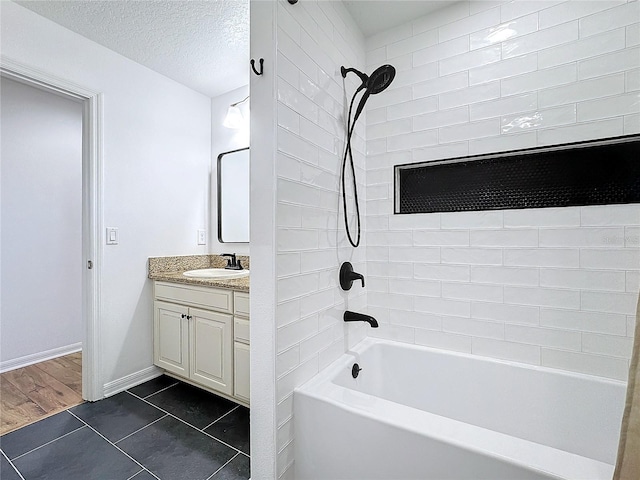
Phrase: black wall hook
(253, 66)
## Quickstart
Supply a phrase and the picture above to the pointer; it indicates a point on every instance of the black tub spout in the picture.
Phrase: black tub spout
(360, 317)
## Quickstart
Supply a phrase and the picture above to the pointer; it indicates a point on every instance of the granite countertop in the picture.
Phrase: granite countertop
(171, 269)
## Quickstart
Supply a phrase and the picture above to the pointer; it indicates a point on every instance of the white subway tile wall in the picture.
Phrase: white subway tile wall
(314, 38)
(554, 287)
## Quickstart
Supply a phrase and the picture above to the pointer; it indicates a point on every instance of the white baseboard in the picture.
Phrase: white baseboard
(27, 360)
(122, 384)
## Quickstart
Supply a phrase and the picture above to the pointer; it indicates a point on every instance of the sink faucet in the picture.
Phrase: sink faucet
(232, 263)
(360, 317)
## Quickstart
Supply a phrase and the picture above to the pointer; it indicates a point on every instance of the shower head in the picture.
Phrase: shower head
(378, 81)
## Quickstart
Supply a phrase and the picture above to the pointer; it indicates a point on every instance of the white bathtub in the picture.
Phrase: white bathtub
(419, 413)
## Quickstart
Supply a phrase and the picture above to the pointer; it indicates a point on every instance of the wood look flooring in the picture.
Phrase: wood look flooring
(32, 393)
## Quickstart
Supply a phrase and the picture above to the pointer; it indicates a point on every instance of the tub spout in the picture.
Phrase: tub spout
(360, 317)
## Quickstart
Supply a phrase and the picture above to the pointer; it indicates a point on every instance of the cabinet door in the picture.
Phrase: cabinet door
(241, 371)
(212, 350)
(171, 338)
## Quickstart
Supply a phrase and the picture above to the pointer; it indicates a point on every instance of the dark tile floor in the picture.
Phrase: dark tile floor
(162, 429)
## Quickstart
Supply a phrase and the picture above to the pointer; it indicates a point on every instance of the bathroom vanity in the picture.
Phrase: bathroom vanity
(201, 326)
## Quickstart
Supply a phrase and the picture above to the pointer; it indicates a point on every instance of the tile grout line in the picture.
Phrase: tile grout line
(16, 468)
(228, 462)
(187, 423)
(159, 391)
(115, 446)
(48, 443)
(222, 416)
(140, 429)
(190, 425)
(135, 474)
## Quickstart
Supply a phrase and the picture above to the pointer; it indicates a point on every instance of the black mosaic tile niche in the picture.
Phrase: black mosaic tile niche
(599, 172)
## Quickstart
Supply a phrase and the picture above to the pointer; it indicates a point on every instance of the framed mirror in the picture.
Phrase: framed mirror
(233, 196)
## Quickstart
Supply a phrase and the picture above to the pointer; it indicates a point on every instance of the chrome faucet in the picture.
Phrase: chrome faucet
(360, 317)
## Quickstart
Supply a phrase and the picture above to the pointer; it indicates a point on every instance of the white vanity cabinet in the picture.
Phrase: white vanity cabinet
(194, 337)
(241, 345)
(171, 338)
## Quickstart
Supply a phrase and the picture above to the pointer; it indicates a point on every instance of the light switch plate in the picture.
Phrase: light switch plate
(202, 237)
(112, 236)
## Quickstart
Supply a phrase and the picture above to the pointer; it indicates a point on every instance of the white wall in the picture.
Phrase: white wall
(157, 147)
(225, 139)
(41, 243)
(552, 287)
(314, 38)
(263, 243)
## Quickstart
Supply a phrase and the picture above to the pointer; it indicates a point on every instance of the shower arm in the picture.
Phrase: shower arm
(363, 77)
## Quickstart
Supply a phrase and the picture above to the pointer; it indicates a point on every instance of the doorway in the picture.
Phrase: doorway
(41, 253)
(39, 212)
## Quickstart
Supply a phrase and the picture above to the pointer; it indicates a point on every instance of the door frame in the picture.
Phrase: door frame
(92, 210)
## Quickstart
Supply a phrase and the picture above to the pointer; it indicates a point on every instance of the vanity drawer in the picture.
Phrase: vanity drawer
(205, 297)
(241, 330)
(241, 304)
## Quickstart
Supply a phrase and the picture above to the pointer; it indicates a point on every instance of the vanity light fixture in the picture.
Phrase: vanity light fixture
(235, 118)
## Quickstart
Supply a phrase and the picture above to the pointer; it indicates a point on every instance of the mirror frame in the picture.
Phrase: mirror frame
(219, 191)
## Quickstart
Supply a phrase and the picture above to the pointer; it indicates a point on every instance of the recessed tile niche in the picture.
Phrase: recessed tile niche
(602, 172)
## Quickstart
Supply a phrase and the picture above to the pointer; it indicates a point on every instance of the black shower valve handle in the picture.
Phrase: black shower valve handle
(348, 276)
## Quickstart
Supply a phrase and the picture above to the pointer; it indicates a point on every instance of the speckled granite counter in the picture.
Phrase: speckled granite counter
(171, 269)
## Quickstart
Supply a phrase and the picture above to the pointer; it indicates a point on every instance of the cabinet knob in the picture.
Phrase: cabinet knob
(184, 315)
(189, 317)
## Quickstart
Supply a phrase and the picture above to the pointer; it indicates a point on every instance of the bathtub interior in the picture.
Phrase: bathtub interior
(580, 414)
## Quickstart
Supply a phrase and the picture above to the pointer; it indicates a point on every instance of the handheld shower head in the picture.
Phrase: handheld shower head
(375, 83)
(378, 81)
(381, 78)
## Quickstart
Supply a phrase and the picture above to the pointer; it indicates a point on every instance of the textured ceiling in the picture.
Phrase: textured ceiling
(201, 44)
(373, 16)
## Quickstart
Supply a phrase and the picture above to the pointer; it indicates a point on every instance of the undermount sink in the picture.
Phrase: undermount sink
(221, 273)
